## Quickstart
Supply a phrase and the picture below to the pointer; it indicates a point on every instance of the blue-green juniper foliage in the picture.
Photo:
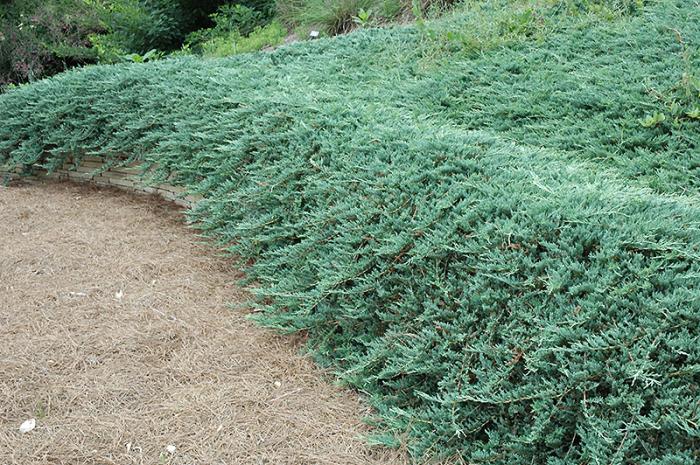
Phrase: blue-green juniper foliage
(499, 243)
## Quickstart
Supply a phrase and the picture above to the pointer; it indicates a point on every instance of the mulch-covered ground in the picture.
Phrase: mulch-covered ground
(117, 335)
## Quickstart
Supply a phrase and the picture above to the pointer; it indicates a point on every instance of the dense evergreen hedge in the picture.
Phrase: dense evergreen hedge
(501, 249)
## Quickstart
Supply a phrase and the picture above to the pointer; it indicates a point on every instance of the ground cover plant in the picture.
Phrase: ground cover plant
(491, 231)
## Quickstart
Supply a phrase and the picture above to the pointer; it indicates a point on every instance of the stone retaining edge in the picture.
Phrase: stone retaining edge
(124, 178)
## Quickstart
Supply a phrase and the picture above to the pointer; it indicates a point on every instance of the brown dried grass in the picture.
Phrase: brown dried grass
(115, 380)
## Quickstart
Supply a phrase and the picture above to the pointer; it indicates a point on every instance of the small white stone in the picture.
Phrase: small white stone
(171, 449)
(313, 34)
(27, 426)
(278, 384)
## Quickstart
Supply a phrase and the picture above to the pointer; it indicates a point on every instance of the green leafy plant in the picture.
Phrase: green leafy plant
(653, 120)
(232, 22)
(148, 56)
(234, 43)
(237, 17)
(363, 17)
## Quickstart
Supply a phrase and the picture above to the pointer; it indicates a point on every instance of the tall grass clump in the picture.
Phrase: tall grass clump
(341, 16)
(495, 246)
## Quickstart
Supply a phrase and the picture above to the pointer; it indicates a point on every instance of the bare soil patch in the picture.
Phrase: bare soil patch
(117, 336)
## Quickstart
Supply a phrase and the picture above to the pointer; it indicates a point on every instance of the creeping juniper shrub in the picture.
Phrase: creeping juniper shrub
(493, 248)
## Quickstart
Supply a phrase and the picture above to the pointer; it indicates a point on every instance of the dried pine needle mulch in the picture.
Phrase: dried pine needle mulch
(118, 338)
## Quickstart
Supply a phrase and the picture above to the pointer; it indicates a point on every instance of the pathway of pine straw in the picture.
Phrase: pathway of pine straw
(116, 335)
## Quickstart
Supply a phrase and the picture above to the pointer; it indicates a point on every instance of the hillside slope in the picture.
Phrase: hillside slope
(498, 242)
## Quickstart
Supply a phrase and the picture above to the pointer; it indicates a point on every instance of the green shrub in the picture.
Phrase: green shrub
(232, 22)
(234, 42)
(138, 26)
(237, 17)
(266, 7)
(494, 250)
(39, 39)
